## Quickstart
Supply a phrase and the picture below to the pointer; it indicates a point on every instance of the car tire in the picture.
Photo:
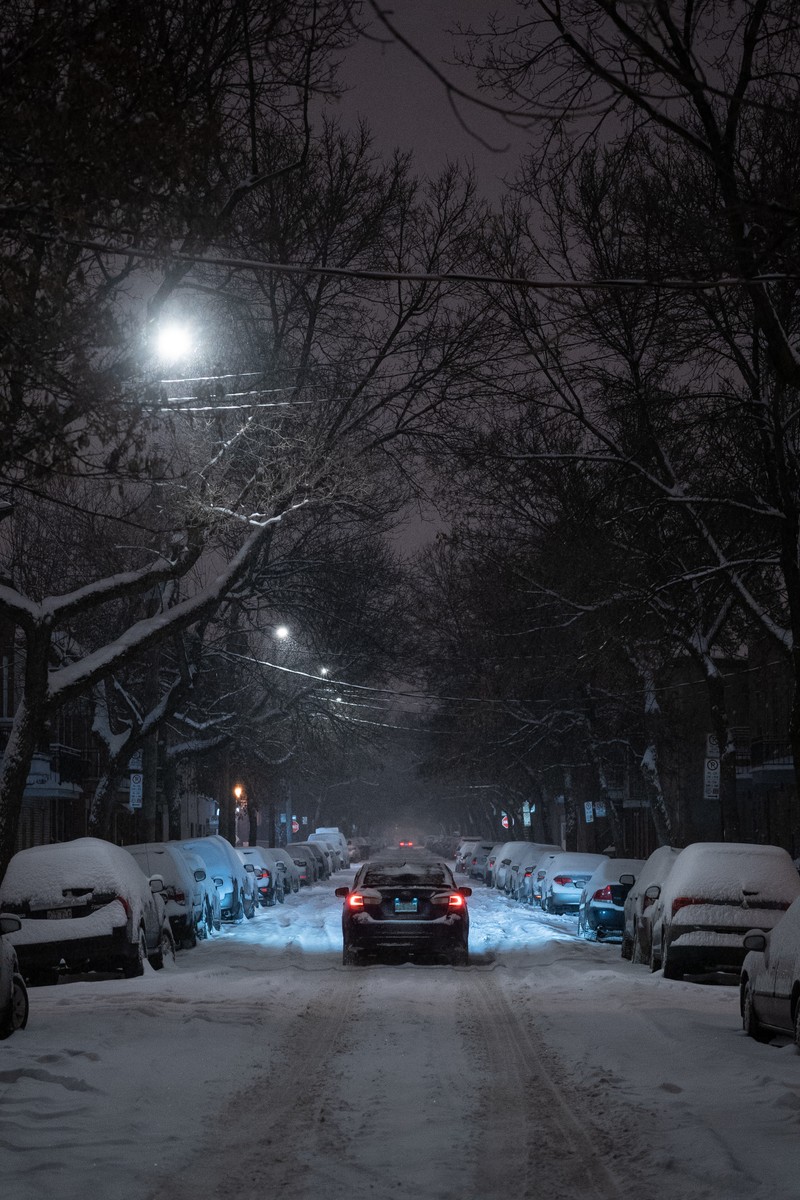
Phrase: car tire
(797, 1025)
(750, 1022)
(17, 1016)
(190, 941)
(636, 951)
(460, 957)
(281, 895)
(133, 966)
(626, 949)
(165, 953)
(349, 956)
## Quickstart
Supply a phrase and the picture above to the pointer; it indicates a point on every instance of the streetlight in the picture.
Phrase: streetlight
(282, 632)
(173, 342)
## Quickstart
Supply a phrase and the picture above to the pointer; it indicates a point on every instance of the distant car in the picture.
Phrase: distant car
(601, 912)
(535, 872)
(268, 885)
(13, 993)
(285, 868)
(636, 928)
(519, 880)
(236, 886)
(413, 907)
(713, 895)
(85, 906)
(321, 858)
(306, 863)
(503, 860)
(212, 912)
(464, 852)
(565, 879)
(476, 859)
(182, 893)
(769, 986)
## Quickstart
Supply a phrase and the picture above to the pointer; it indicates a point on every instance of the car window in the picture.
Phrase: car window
(407, 876)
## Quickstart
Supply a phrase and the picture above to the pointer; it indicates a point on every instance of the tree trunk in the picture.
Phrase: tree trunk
(22, 743)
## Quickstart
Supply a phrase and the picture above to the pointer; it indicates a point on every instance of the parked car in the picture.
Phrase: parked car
(84, 906)
(523, 864)
(284, 866)
(636, 926)
(212, 912)
(13, 993)
(413, 907)
(236, 886)
(491, 860)
(535, 872)
(182, 893)
(565, 879)
(268, 885)
(318, 854)
(769, 986)
(476, 859)
(713, 895)
(464, 852)
(336, 839)
(306, 863)
(502, 866)
(601, 912)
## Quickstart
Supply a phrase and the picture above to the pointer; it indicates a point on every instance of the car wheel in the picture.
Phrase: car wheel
(626, 949)
(636, 950)
(670, 966)
(133, 966)
(797, 1025)
(281, 894)
(190, 941)
(750, 1022)
(165, 954)
(349, 956)
(249, 909)
(17, 1016)
(460, 957)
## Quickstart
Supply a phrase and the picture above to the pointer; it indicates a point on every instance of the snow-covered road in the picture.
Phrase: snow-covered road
(258, 1066)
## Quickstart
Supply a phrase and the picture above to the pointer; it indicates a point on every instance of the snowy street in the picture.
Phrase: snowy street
(259, 1066)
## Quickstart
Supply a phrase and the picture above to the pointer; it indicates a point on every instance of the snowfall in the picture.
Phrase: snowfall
(258, 1066)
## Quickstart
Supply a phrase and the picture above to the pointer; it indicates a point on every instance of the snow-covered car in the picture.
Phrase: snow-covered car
(321, 859)
(212, 912)
(769, 986)
(13, 993)
(502, 866)
(306, 863)
(476, 860)
(268, 885)
(464, 852)
(412, 907)
(636, 926)
(182, 893)
(284, 866)
(84, 906)
(565, 879)
(523, 865)
(236, 886)
(713, 895)
(535, 872)
(601, 912)
(336, 839)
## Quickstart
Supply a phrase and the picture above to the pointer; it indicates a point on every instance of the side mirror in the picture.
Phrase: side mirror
(199, 875)
(465, 891)
(755, 940)
(249, 867)
(10, 924)
(342, 892)
(156, 883)
(627, 880)
(653, 892)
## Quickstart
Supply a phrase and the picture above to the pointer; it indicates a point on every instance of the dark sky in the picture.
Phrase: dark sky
(407, 107)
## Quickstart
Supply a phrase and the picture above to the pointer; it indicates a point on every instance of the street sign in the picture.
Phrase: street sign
(588, 809)
(504, 821)
(711, 779)
(295, 826)
(526, 814)
(135, 797)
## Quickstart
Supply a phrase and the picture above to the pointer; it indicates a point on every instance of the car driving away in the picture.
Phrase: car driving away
(407, 905)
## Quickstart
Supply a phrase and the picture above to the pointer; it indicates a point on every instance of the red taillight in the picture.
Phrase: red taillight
(562, 880)
(604, 894)
(125, 905)
(455, 900)
(180, 896)
(528, 874)
(355, 900)
(682, 901)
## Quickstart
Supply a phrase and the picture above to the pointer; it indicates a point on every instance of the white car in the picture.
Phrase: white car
(84, 906)
(13, 993)
(636, 925)
(236, 886)
(601, 912)
(769, 986)
(713, 895)
(565, 879)
(268, 884)
(183, 892)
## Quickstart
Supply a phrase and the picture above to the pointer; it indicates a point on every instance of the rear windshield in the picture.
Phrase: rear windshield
(417, 875)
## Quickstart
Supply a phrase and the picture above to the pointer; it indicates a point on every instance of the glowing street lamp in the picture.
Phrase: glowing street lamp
(174, 342)
(282, 633)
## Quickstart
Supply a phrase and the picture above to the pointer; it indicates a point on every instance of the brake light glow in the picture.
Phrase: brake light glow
(682, 901)
(604, 894)
(180, 896)
(562, 880)
(455, 900)
(125, 905)
(355, 900)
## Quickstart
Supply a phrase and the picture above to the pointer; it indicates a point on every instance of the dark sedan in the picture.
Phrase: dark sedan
(413, 908)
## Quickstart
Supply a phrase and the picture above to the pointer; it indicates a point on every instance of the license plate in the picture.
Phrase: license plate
(58, 914)
(409, 906)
